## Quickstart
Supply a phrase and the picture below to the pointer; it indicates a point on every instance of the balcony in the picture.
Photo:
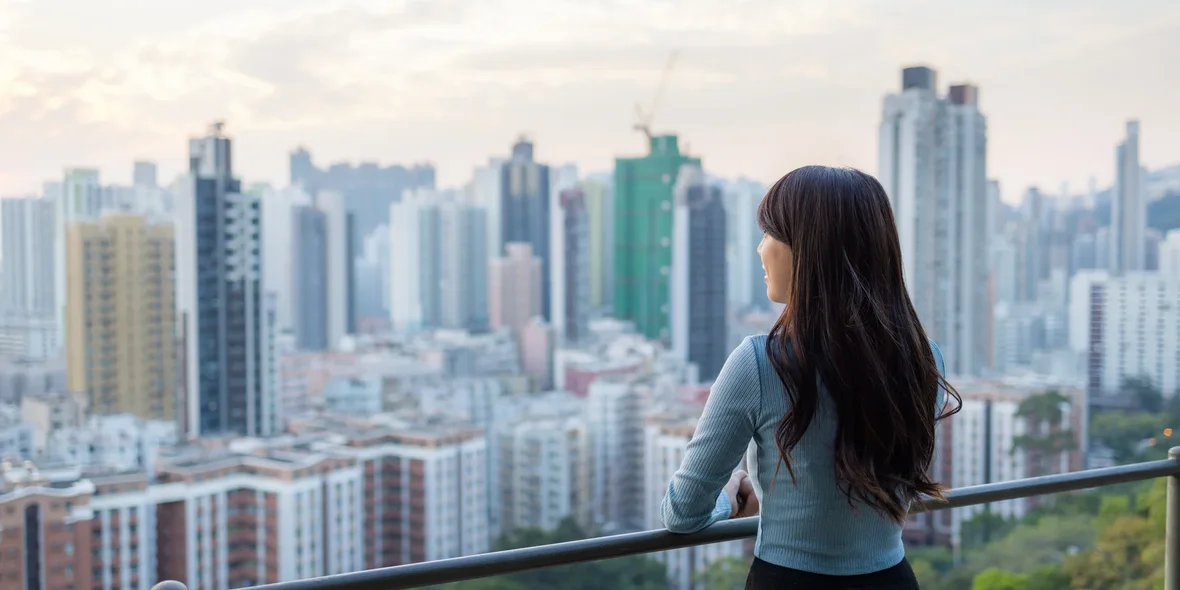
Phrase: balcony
(505, 562)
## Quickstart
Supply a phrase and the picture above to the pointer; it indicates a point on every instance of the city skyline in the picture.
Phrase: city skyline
(1057, 81)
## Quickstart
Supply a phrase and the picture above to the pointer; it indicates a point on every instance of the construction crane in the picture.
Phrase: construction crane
(644, 123)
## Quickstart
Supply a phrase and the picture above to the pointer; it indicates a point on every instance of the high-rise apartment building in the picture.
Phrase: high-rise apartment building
(341, 265)
(27, 261)
(486, 192)
(463, 269)
(543, 473)
(438, 273)
(79, 197)
(278, 255)
(985, 440)
(248, 512)
(933, 165)
(614, 420)
(745, 286)
(573, 309)
(144, 174)
(514, 287)
(643, 236)
(525, 210)
(665, 441)
(1127, 326)
(309, 277)
(1128, 206)
(120, 316)
(600, 226)
(225, 332)
(698, 273)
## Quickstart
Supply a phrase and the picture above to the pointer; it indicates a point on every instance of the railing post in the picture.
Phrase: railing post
(1172, 540)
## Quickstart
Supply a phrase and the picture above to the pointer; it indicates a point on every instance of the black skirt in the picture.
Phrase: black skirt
(767, 576)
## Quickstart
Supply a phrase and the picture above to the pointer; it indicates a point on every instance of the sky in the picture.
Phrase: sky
(759, 86)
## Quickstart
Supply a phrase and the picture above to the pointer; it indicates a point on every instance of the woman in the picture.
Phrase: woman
(840, 398)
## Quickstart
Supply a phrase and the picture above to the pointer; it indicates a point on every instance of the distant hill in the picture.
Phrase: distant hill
(1164, 214)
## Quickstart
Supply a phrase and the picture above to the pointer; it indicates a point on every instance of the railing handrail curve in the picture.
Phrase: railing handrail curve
(514, 560)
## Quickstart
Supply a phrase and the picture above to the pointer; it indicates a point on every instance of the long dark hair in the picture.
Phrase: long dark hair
(849, 321)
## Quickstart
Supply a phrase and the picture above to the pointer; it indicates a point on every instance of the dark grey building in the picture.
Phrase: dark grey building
(524, 210)
(698, 311)
(575, 264)
(309, 277)
(225, 328)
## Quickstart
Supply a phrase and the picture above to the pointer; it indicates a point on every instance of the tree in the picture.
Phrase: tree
(620, 573)
(982, 528)
(1123, 558)
(998, 579)
(1122, 432)
(1046, 438)
(1048, 577)
(1146, 396)
(728, 573)
(925, 573)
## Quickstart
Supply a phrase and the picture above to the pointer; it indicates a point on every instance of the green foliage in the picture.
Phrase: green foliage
(1122, 432)
(1146, 396)
(983, 528)
(997, 579)
(622, 573)
(724, 574)
(1105, 538)
(1048, 577)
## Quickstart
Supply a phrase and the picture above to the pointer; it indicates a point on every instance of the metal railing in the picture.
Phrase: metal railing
(515, 560)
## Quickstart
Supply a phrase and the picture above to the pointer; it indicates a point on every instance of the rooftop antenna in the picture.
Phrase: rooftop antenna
(644, 119)
(216, 127)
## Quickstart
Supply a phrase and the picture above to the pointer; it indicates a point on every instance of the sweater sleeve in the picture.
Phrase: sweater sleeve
(695, 498)
(941, 401)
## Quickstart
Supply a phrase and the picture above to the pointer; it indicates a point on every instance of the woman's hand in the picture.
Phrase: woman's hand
(733, 491)
(747, 499)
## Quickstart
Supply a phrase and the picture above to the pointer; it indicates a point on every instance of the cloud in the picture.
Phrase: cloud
(760, 84)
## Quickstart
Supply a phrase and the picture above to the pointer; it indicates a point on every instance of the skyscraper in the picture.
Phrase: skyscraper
(278, 255)
(462, 289)
(643, 235)
(224, 332)
(120, 316)
(341, 260)
(933, 165)
(144, 174)
(514, 287)
(438, 271)
(698, 275)
(309, 277)
(27, 262)
(600, 225)
(524, 213)
(79, 198)
(575, 265)
(745, 285)
(1128, 206)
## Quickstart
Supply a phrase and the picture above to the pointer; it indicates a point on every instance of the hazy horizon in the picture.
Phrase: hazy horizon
(760, 87)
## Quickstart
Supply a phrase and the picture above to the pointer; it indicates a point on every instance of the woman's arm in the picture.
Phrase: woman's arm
(694, 499)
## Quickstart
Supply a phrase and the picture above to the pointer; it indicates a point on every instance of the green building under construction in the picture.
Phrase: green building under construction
(643, 235)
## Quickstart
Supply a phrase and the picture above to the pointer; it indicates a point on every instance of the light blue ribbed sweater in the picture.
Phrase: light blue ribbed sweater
(806, 525)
